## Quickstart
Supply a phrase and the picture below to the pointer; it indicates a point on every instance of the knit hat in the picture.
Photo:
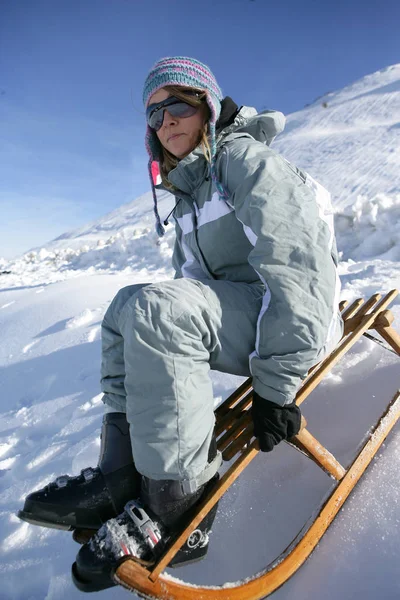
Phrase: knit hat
(185, 72)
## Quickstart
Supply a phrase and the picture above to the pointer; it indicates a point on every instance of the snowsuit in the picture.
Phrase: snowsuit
(255, 293)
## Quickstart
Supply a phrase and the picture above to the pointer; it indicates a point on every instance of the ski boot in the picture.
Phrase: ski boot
(143, 530)
(83, 503)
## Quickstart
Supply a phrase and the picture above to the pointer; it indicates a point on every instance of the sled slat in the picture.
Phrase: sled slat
(229, 418)
(369, 304)
(352, 309)
(235, 431)
(224, 408)
(240, 442)
(351, 323)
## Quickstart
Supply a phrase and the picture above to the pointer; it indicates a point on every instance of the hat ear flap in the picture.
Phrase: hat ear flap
(153, 145)
(155, 172)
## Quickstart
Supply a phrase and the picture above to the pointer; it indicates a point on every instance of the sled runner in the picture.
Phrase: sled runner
(234, 432)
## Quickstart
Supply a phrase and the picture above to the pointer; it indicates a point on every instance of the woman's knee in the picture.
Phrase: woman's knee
(159, 311)
(118, 302)
(169, 299)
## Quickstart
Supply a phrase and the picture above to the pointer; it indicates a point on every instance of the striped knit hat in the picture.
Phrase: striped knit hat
(186, 72)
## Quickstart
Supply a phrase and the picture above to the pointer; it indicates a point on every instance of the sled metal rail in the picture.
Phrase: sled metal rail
(234, 431)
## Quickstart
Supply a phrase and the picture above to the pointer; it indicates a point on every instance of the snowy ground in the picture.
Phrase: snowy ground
(51, 306)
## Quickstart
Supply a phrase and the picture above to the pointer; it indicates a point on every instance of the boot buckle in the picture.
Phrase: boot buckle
(62, 481)
(87, 474)
(148, 528)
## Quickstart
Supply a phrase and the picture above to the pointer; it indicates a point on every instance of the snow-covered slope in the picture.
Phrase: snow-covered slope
(51, 306)
(122, 240)
(352, 144)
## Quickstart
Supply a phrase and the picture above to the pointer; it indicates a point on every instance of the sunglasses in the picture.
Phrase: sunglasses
(175, 107)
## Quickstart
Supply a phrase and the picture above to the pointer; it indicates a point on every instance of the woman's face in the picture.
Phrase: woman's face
(179, 136)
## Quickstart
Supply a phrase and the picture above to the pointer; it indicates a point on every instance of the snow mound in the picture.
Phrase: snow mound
(370, 228)
(122, 241)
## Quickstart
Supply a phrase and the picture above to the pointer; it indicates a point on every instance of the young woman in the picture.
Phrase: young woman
(255, 293)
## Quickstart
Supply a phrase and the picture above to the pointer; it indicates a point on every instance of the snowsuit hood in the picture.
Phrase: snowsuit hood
(263, 127)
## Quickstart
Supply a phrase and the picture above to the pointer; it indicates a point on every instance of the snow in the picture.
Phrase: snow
(51, 306)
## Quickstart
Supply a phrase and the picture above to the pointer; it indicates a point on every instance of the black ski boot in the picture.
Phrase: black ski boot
(171, 507)
(142, 531)
(88, 500)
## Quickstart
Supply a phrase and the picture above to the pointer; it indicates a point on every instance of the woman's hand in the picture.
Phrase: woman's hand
(274, 423)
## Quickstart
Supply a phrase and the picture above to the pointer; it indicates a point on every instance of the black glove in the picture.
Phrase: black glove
(274, 423)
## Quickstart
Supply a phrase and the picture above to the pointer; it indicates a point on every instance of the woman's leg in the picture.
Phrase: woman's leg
(112, 352)
(172, 332)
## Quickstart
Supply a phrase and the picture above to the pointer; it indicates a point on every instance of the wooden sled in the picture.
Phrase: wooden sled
(235, 438)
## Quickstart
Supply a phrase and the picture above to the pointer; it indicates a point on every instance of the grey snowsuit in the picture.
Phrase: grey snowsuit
(256, 293)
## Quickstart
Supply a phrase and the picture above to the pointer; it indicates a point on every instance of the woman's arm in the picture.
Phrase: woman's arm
(292, 255)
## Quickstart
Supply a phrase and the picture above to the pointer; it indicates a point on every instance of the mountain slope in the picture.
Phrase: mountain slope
(351, 146)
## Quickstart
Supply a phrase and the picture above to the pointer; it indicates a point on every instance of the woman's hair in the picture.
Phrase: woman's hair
(169, 161)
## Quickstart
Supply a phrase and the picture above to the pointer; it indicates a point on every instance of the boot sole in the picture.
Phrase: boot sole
(183, 563)
(79, 535)
(89, 586)
(29, 518)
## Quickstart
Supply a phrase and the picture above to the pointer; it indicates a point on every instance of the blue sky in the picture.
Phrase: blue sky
(71, 76)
